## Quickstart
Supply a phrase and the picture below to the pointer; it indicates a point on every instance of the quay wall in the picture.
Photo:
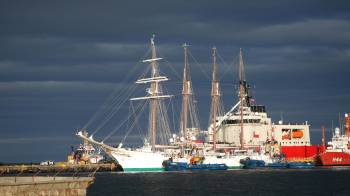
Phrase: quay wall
(35, 186)
(62, 168)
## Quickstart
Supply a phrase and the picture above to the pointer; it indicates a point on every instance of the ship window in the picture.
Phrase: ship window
(232, 122)
(286, 134)
(258, 108)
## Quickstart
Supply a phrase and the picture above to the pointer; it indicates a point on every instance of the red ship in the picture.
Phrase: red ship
(338, 149)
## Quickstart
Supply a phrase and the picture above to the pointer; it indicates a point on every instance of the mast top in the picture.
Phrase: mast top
(214, 64)
(152, 39)
(241, 66)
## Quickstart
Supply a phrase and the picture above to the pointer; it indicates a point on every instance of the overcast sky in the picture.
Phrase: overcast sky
(60, 60)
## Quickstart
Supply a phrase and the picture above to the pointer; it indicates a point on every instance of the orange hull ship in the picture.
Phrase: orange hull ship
(334, 158)
(338, 149)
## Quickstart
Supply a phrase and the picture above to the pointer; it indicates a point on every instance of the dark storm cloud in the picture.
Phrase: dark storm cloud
(66, 49)
(59, 60)
(133, 21)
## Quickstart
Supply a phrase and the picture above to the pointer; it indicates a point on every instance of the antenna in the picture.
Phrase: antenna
(323, 137)
(281, 116)
(152, 39)
(340, 127)
(185, 45)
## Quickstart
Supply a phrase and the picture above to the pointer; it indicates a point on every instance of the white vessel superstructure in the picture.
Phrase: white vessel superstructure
(247, 125)
(246, 130)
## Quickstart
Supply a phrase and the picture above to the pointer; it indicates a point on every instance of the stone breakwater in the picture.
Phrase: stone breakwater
(66, 168)
(35, 186)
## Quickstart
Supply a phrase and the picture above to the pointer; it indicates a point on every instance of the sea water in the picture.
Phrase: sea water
(260, 182)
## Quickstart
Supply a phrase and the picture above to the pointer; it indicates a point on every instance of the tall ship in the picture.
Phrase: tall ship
(337, 152)
(150, 156)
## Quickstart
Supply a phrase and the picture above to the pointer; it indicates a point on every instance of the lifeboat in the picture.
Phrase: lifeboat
(195, 160)
(297, 134)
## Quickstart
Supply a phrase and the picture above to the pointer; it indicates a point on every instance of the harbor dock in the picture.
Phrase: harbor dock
(60, 168)
(63, 186)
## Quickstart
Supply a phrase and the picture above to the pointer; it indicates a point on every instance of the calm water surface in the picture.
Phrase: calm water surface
(330, 182)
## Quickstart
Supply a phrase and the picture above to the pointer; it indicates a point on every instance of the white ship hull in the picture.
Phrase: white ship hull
(139, 160)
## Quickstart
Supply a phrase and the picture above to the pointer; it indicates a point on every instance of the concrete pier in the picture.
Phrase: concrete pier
(35, 186)
(63, 168)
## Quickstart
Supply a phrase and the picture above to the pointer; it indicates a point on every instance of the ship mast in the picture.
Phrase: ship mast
(154, 92)
(241, 94)
(214, 97)
(323, 138)
(186, 92)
